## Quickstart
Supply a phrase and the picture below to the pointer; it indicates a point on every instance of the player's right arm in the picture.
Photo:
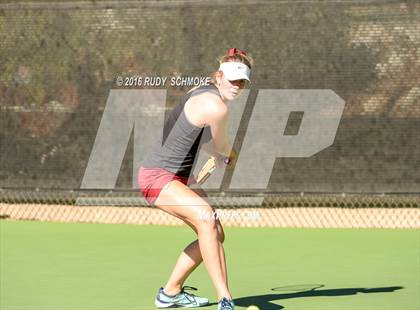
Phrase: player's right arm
(209, 110)
(217, 117)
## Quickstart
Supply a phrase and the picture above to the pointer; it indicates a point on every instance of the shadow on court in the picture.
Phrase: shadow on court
(264, 302)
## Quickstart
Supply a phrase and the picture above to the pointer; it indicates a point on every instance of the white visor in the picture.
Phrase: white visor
(235, 70)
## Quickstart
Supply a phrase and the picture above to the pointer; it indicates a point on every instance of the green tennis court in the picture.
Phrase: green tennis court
(56, 266)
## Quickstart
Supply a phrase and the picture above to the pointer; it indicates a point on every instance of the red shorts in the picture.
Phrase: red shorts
(152, 180)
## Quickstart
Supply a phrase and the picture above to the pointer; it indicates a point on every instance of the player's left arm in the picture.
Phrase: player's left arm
(209, 148)
(221, 161)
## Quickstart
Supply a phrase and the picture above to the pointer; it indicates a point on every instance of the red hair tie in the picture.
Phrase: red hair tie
(232, 51)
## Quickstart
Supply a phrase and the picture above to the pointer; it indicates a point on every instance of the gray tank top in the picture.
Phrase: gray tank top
(177, 147)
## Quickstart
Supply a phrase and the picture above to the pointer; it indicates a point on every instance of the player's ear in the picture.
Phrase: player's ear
(219, 77)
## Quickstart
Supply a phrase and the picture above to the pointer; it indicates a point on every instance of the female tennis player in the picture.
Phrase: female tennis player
(200, 119)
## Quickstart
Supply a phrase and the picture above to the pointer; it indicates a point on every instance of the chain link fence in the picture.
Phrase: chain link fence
(288, 210)
(59, 60)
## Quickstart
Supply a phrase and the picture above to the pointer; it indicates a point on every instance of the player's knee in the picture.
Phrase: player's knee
(206, 222)
(209, 226)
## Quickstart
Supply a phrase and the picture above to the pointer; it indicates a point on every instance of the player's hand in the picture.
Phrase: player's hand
(228, 162)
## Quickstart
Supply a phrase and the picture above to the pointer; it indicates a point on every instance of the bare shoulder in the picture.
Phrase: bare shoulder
(205, 109)
(210, 103)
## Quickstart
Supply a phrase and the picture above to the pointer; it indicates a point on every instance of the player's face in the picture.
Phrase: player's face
(231, 89)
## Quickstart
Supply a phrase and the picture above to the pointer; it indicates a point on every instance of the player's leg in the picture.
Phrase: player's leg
(190, 258)
(179, 200)
(221, 234)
